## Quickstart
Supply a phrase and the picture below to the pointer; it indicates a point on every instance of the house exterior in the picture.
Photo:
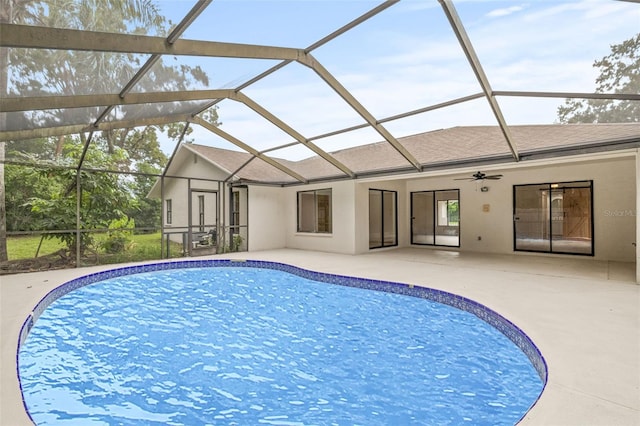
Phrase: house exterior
(573, 193)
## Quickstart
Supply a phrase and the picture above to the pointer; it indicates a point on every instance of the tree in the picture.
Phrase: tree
(16, 11)
(43, 72)
(104, 197)
(619, 73)
(145, 211)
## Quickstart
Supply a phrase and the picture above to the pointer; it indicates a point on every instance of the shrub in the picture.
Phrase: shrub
(119, 235)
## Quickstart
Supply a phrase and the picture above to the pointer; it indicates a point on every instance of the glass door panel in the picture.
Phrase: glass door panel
(531, 218)
(571, 220)
(383, 224)
(422, 218)
(447, 229)
(555, 218)
(375, 219)
(389, 233)
(435, 218)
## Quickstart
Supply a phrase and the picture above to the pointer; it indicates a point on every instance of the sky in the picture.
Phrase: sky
(404, 58)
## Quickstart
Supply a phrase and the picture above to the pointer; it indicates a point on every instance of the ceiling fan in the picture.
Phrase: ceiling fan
(481, 176)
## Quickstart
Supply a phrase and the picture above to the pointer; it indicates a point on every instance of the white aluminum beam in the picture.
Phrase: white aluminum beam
(237, 142)
(44, 132)
(25, 36)
(569, 95)
(241, 97)
(467, 47)
(175, 34)
(376, 10)
(368, 15)
(312, 63)
(87, 101)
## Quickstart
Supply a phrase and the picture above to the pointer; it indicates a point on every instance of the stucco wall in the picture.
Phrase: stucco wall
(613, 196)
(177, 190)
(191, 165)
(342, 239)
(362, 212)
(266, 218)
(488, 215)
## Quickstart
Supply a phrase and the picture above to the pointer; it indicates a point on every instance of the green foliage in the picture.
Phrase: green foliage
(175, 130)
(143, 210)
(46, 197)
(619, 73)
(236, 242)
(103, 198)
(234, 245)
(119, 235)
(21, 183)
(453, 212)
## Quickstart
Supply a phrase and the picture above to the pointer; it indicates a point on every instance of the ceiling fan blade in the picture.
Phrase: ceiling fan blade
(480, 176)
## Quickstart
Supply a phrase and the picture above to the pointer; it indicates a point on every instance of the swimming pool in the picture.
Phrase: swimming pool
(216, 347)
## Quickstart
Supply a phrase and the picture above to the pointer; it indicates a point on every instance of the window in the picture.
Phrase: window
(554, 217)
(201, 212)
(314, 211)
(383, 223)
(169, 211)
(235, 208)
(435, 218)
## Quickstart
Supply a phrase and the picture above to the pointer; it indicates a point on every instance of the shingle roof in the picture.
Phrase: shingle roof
(431, 148)
(256, 170)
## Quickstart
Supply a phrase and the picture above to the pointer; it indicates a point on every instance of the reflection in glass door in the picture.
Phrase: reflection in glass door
(554, 218)
(422, 215)
(435, 218)
(531, 217)
(383, 224)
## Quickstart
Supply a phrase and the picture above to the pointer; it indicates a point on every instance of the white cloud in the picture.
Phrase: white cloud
(504, 11)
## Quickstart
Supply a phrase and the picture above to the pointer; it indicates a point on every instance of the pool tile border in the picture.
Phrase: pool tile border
(506, 327)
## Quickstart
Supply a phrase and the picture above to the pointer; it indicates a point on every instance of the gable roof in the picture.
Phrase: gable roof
(448, 148)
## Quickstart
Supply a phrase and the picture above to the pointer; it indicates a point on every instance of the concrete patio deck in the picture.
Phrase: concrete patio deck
(584, 316)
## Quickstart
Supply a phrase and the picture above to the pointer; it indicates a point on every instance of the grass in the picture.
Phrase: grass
(141, 247)
(26, 247)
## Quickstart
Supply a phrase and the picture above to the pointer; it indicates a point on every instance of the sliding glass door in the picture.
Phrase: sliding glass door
(383, 223)
(435, 218)
(423, 218)
(554, 217)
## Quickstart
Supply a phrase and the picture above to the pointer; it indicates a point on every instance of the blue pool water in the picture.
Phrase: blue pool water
(250, 346)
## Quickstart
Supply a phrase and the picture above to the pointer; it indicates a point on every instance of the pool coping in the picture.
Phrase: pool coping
(516, 335)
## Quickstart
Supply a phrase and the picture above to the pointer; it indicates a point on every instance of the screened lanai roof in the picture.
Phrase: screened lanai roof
(297, 82)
